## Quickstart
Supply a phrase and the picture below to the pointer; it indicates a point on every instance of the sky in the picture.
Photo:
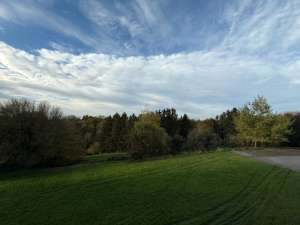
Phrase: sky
(201, 57)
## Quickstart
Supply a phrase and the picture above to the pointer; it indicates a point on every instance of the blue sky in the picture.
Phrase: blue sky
(134, 27)
(99, 57)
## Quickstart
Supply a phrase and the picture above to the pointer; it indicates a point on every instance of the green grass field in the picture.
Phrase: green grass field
(212, 188)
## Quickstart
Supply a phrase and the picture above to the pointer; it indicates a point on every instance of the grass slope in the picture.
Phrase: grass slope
(215, 188)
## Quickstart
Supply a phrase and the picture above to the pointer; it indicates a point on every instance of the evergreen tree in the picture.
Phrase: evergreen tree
(226, 127)
(131, 120)
(169, 121)
(105, 135)
(185, 125)
(116, 132)
(294, 136)
(124, 132)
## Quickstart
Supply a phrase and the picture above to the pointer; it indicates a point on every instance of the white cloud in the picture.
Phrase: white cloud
(258, 55)
(199, 83)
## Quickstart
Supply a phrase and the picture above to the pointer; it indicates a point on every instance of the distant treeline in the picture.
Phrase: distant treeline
(38, 135)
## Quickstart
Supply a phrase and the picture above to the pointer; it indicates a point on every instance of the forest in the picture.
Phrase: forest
(39, 135)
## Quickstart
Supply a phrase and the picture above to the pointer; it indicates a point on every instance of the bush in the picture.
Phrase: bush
(148, 139)
(35, 135)
(202, 138)
(176, 144)
(93, 149)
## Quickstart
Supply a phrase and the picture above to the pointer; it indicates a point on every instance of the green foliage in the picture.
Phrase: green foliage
(35, 135)
(152, 117)
(177, 128)
(105, 135)
(260, 107)
(93, 149)
(256, 124)
(245, 125)
(148, 139)
(38, 128)
(118, 126)
(131, 120)
(280, 129)
(88, 127)
(294, 135)
(203, 137)
(177, 143)
(185, 126)
(169, 121)
(226, 128)
(113, 133)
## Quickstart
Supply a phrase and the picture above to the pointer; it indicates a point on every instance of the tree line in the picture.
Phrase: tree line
(38, 135)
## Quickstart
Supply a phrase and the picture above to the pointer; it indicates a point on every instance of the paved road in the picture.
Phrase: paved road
(287, 161)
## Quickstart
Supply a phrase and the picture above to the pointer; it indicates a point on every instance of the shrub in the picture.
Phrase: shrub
(148, 139)
(35, 135)
(93, 149)
(202, 138)
(176, 144)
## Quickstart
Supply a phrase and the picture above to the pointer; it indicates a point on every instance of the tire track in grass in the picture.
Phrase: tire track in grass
(44, 195)
(175, 169)
(281, 190)
(178, 170)
(268, 198)
(266, 195)
(213, 209)
(242, 199)
(248, 203)
(188, 175)
(155, 171)
(220, 209)
(112, 177)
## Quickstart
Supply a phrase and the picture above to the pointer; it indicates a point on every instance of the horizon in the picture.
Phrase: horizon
(200, 57)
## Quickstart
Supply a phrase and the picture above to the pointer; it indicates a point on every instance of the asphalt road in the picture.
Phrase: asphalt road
(289, 160)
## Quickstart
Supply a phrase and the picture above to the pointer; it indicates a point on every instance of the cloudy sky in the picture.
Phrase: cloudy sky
(199, 56)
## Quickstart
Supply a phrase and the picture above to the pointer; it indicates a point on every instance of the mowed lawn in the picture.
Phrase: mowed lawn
(211, 188)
